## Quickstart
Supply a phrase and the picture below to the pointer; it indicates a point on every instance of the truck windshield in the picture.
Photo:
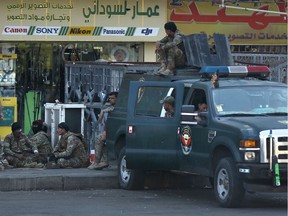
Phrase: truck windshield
(260, 100)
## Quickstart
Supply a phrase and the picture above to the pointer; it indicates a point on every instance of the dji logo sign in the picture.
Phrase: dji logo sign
(147, 31)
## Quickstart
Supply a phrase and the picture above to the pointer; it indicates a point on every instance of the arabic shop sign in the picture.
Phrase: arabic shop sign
(90, 18)
(242, 27)
(99, 8)
(25, 11)
(37, 12)
(79, 31)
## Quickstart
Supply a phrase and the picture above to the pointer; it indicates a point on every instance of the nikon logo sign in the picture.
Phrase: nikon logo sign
(81, 31)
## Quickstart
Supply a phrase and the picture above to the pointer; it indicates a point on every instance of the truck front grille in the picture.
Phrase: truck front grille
(280, 138)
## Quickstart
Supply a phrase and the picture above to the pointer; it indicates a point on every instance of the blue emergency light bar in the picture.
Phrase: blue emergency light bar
(235, 71)
(224, 71)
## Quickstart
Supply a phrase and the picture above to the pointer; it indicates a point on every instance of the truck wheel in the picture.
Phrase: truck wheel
(129, 179)
(228, 188)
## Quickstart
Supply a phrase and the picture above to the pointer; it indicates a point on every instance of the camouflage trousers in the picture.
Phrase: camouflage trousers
(101, 152)
(72, 162)
(172, 57)
(17, 163)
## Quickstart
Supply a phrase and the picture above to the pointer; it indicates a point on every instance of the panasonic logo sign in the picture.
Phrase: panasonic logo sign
(114, 31)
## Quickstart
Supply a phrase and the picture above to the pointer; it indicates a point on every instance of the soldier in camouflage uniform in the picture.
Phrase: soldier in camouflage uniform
(1, 156)
(100, 145)
(41, 140)
(170, 50)
(18, 149)
(69, 151)
(168, 104)
(1, 146)
(3, 162)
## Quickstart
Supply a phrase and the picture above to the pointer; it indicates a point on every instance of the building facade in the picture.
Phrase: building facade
(38, 37)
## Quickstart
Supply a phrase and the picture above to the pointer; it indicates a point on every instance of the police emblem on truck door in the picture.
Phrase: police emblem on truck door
(186, 140)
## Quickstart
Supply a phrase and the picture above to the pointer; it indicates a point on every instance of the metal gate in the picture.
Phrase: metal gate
(90, 82)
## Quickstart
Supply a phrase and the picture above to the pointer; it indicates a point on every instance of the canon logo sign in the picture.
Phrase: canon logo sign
(15, 30)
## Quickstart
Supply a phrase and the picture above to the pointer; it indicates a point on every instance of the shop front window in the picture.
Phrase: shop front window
(38, 68)
(111, 52)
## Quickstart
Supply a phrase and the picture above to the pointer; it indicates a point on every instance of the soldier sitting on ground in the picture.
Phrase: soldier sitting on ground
(70, 150)
(3, 162)
(41, 140)
(18, 149)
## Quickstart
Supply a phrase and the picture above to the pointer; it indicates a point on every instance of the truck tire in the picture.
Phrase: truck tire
(228, 188)
(129, 179)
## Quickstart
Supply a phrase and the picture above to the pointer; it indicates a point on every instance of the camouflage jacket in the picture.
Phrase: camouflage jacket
(1, 150)
(42, 142)
(169, 42)
(70, 146)
(103, 118)
(12, 145)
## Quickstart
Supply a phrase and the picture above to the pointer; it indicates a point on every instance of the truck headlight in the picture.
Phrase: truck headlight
(249, 156)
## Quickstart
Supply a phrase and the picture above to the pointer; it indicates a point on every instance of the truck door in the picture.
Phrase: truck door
(194, 155)
(151, 138)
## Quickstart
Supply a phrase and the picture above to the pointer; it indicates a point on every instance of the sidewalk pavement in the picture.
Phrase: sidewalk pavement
(28, 179)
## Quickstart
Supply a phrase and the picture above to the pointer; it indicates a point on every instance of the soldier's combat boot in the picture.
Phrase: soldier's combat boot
(161, 69)
(101, 165)
(92, 165)
(169, 69)
(6, 164)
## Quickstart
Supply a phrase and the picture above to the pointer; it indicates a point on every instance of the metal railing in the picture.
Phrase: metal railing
(90, 82)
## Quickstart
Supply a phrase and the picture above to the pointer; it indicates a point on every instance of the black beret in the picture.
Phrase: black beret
(16, 126)
(63, 125)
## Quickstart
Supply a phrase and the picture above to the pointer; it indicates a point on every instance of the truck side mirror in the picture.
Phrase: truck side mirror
(203, 116)
(188, 115)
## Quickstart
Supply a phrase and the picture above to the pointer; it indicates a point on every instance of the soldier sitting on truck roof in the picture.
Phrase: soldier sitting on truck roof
(170, 50)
